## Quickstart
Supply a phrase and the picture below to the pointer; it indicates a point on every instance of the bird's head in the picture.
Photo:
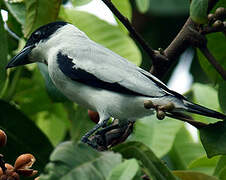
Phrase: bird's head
(31, 52)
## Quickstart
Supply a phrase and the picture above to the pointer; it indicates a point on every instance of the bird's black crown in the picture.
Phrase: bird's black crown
(44, 32)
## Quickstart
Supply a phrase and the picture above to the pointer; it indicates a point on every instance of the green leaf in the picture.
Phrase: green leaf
(40, 12)
(213, 138)
(204, 165)
(158, 135)
(31, 92)
(80, 121)
(23, 136)
(53, 92)
(79, 161)
(190, 175)
(185, 150)
(103, 33)
(206, 96)
(124, 171)
(220, 165)
(153, 166)
(17, 10)
(219, 54)
(125, 9)
(143, 5)
(198, 11)
(3, 53)
(222, 96)
(53, 123)
(80, 2)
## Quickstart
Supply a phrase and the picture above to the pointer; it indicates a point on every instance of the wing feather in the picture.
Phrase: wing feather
(96, 66)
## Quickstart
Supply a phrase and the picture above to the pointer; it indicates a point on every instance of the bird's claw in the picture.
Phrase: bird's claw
(111, 135)
(160, 109)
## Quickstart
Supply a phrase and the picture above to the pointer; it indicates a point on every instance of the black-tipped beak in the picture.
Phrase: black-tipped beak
(21, 58)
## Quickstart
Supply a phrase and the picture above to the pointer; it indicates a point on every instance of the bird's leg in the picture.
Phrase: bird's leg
(160, 110)
(85, 138)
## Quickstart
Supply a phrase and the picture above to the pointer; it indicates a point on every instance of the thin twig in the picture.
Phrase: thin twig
(213, 61)
(187, 119)
(131, 29)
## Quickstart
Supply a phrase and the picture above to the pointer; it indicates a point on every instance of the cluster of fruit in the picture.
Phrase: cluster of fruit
(21, 166)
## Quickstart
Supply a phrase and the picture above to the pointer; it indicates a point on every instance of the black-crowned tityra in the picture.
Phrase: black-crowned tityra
(99, 79)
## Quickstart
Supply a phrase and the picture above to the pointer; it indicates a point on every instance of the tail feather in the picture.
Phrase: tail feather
(197, 109)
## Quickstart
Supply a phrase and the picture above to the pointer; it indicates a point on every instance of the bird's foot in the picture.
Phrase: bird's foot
(112, 135)
(160, 109)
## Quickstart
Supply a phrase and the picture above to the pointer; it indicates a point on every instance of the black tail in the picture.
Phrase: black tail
(195, 108)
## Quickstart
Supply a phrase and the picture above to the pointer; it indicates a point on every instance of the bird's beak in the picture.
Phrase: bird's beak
(21, 58)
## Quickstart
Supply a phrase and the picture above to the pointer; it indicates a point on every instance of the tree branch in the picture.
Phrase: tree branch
(180, 43)
(162, 61)
(213, 61)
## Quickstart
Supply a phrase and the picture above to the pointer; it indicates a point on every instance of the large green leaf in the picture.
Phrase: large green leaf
(185, 150)
(143, 5)
(54, 123)
(79, 161)
(3, 53)
(153, 166)
(190, 175)
(124, 171)
(17, 10)
(213, 138)
(31, 92)
(158, 135)
(101, 32)
(204, 165)
(219, 54)
(206, 96)
(23, 136)
(198, 11)
(40, 12)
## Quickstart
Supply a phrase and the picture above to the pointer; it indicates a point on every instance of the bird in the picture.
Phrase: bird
(95, 77)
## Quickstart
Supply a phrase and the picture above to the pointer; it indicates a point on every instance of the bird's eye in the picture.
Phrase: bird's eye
(37, 34)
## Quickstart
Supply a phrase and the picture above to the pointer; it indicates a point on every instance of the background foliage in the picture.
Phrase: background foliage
(40, 120)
